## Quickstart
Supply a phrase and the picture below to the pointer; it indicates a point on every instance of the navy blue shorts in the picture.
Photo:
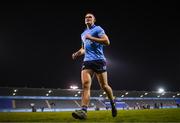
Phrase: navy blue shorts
(98, 66)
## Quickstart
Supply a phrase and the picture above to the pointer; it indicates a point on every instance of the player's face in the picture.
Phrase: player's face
(89, 19)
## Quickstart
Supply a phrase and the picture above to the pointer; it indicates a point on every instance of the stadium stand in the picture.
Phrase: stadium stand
(43, 99)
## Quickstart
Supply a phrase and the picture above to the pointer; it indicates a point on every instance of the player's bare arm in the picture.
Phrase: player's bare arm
(103, 39)
(80, 52)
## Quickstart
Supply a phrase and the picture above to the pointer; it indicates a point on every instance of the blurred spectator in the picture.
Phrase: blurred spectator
(161, 105)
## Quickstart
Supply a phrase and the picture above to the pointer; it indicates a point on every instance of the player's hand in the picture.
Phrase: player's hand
(88, 36)
(74, 56)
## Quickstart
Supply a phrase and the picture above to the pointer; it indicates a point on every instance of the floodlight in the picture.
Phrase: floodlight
(161, 90)
(73, 87)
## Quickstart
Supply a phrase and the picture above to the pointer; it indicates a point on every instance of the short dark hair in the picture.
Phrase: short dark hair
(92, 15)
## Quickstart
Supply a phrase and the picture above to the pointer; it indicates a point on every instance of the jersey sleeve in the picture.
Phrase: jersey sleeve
(100, 31)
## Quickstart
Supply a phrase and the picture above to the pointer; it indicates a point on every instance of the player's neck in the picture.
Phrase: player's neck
(89, 26)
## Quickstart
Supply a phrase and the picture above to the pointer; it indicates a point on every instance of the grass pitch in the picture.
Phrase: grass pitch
(152, 115)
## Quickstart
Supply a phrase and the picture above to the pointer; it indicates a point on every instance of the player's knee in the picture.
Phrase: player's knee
(86, 84)
(104, 87)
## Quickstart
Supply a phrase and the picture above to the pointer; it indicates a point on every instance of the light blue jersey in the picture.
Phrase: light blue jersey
(93, 50)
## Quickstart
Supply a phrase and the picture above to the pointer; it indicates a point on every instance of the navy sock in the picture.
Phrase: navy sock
(84, 108)
(112, 102)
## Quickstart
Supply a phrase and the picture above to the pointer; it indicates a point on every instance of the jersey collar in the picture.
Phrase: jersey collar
(92, 26)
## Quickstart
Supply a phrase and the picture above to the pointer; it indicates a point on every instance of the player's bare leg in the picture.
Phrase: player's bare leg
(102, 79)
(86, 85)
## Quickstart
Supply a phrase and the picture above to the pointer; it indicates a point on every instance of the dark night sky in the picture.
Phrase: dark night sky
(37, 40)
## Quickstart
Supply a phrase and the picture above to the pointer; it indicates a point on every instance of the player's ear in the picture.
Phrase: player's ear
(94, 20)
